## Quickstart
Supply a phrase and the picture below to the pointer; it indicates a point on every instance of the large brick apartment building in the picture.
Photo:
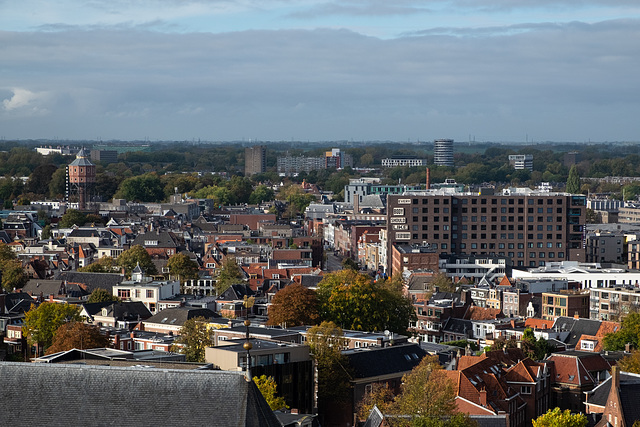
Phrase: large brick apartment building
(531, 227)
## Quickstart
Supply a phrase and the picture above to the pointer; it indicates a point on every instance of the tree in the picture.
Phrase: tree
(136, 255)
(143, 188)
(182, 266)
(573, 181)
(194, 338)
(13, 275)
(379, 395)
(106, 264)
(630, 363)
(348, 263)
(47, 232)
(629, 333)
(40, 179)
(230, 274)
(535, 349)
(294, 305)
(57, 185)
(72, 217)
(262, 193)
(325, 345)
(76, 335)
(354, 301)
(557, 418)
(268, 388)
(101, 295)
(41, 323)
(443, 283)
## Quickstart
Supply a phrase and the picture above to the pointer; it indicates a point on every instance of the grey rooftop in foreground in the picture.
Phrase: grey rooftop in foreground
(82, 395)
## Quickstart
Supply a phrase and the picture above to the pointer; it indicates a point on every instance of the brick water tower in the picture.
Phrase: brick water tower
(81, 175)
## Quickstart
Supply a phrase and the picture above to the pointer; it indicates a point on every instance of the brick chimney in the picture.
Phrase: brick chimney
(428, 179)
(615, 378)
(483, 397)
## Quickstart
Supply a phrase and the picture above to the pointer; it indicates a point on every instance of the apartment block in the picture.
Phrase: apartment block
(567, 304)
(613, 303)
(530, 227)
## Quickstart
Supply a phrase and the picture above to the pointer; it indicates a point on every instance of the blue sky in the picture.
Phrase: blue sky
(501, 70)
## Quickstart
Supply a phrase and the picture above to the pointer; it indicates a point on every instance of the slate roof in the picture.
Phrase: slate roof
(164, 239)
(17, 302)
(376, 361)
(179, 315)
(236, 292)
(82, 159)
(576, 328)
(93, 281)
(80, 395)
(458, 326)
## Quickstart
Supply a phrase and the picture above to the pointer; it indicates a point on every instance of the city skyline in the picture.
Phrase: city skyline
(314, 70)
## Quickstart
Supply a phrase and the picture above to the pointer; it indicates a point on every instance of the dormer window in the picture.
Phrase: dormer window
(151, 243)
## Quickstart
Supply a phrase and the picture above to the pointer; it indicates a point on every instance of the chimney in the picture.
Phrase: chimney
(576, 315)
(627, 347)
(428, 179)
(615, 378)
(483, 397)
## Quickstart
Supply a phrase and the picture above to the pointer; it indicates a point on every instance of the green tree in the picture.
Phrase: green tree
(573, 181)
(106, 264)
(262, 193)
(230, 274)
(536, 349)
(182, 266)
(41, 323)
(101, 295)
(194, 338)
(294, 305)
(325, 344)
(269, 390)
(134, 256)
(629, 333)
(350, 264)
(143, 188)
(557, 418)
(13, 275)
(57, 185)
(76, 335)
(443, 282)
(40, 179)
(47, 232)
(353, 301)
(72, 217)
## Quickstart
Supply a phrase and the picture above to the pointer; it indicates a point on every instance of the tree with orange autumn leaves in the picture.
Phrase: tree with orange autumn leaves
(294, 305)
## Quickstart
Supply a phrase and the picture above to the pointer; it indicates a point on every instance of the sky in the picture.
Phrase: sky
(315, 70)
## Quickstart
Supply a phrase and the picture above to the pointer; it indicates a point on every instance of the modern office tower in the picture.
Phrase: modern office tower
(337, 159)
(531, 227)
(255, 160)
(104, 156)
(521, 161)
(81, 175)
(443, 152)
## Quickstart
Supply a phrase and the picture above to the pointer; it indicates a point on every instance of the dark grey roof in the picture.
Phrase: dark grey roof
(600, 394)
(310, 280)
(576, 328)
(133, 310)
(236, 292)
(82, 159)
(490, 420)
(458, 326)
(179, 315)
(164, 239)
(17, 302)
(374, 361)
(80, 395)
(93, 281)
(46, 287)
(375, 418)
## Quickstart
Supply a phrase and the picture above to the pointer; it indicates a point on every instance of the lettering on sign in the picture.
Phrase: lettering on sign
(400, 227)
(398, 211)
(398, 220)
(404, 201)
(403, 236)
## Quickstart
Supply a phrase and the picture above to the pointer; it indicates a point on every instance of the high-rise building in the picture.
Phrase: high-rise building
(443, 152)
(530, 227)
(337, 159)
(255, 160)
(81, 175)
(521, 161)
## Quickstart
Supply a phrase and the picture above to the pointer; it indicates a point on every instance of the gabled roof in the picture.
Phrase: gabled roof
(139, 395)
(179, 315)
(93, 281)
(457, 326)
(576, 328)
(535, 323)
(236, 292)
(483, 313)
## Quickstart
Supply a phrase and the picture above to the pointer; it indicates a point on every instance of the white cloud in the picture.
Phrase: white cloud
(24, 100)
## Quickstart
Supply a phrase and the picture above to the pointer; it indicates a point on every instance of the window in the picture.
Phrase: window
(124, 293)
(149, 293)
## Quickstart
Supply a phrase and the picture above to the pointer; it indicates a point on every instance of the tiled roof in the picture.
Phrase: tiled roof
(179, 315)
(534, 323)
(482, 313)
(80, 395)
